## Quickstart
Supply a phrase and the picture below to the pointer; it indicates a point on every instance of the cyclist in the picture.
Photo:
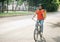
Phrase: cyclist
(41, 15)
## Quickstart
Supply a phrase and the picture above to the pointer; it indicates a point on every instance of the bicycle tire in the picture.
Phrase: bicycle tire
(35, 34)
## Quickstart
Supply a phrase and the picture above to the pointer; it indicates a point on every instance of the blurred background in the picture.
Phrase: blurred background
(28, 5)
(16, 24)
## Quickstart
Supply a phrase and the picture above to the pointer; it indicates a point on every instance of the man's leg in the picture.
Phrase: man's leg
(41, 27)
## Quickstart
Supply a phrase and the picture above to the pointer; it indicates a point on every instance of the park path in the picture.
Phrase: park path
(20, 28)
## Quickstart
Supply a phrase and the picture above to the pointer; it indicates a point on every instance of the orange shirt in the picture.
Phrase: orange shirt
(40, 14)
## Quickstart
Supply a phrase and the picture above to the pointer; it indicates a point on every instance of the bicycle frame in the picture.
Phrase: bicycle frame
(37, 31)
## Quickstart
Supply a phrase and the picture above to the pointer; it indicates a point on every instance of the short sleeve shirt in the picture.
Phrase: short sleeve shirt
(40, 14)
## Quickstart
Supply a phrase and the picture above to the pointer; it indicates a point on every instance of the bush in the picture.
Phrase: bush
(51, 7)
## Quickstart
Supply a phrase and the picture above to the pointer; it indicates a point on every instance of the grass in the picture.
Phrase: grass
(15, 13)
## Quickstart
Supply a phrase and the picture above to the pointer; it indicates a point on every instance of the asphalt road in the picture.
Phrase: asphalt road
(20, 28)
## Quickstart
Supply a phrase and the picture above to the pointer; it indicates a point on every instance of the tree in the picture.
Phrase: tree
(49, 5)
(2, 5)
(7, 6)
(19, 2)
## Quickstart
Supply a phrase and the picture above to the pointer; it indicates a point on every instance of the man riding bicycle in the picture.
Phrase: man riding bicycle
(41, 15)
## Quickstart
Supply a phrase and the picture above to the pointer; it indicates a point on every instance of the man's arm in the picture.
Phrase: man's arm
(44, 14)
(34, 16)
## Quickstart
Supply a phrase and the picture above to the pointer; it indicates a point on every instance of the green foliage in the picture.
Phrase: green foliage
(9, 1)
(20, 2)
(49, 5)
(37, 2)
(2, 0)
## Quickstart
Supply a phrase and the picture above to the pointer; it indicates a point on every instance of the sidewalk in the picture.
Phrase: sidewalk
(20, 29)
(52, 28)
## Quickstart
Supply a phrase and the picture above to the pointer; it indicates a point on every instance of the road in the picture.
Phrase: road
(20, 28)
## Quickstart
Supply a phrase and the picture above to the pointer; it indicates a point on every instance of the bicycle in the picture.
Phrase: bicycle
(37, 32)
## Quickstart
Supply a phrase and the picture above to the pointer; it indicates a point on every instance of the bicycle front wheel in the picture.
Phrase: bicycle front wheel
(36, 35)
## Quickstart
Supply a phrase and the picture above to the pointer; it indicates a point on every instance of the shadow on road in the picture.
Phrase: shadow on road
(44, 40)
(57, 39)
(54, 25)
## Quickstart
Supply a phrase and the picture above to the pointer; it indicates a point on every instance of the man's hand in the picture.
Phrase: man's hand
(32, 18)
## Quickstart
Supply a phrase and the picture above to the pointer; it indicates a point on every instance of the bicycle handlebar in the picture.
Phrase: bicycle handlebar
(33, 19)
(36, 21)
